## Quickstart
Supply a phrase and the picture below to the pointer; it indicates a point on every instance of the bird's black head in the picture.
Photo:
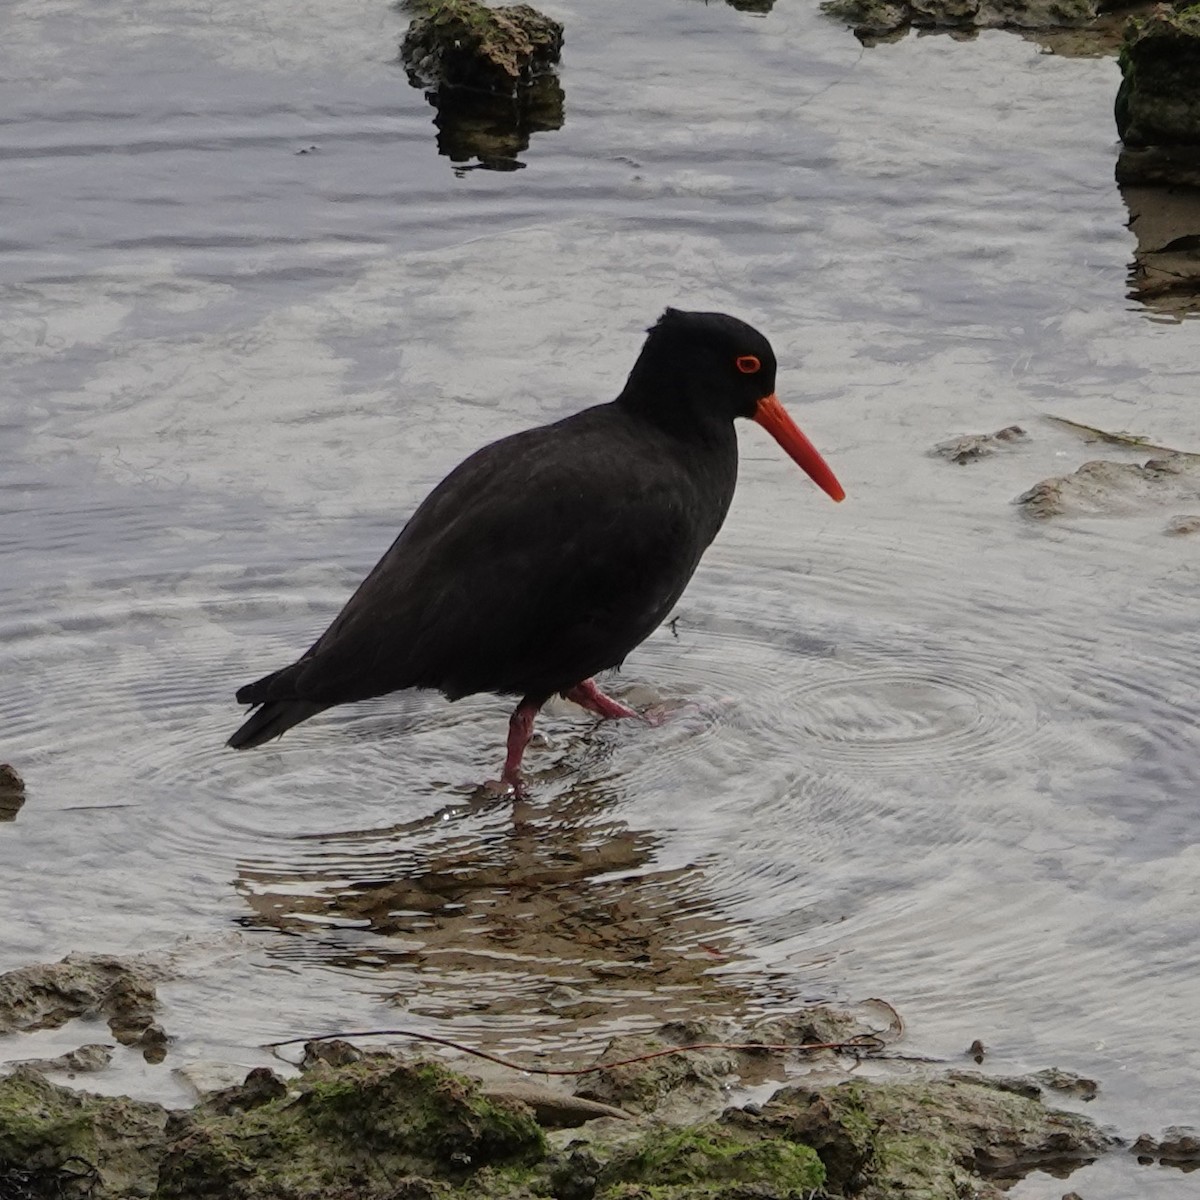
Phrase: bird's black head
(700, 370)
(699, 367)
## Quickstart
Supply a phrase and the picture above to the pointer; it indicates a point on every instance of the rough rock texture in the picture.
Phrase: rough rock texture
(972, 447)
(72, 1144)
(877, 19)
(47, 995)
(381, 1128)
(351, 1131)
(1158, 103)
(462, 43)
(1104, 488)
(937, 1139)
(1179, 1146)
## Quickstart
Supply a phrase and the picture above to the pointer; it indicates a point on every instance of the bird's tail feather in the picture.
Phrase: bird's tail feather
(272, 719)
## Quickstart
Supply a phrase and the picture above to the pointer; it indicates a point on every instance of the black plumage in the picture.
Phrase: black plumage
(547, 556)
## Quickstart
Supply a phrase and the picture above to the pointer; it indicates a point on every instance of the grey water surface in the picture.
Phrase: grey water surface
(923, 749)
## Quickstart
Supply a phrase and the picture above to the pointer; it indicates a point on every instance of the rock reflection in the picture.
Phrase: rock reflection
(1159, 187)
(482, 911)
(491, 129)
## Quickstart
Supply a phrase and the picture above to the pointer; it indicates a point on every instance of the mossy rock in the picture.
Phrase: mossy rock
(1158, 102)
(462, 43)
(63, 1143)
(936, 1139)
(350, 1132)
(711, 1162)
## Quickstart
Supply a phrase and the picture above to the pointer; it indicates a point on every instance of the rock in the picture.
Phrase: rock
(77, 1144)
(381, 1128)
(348, 1131)
(713, 1160)
(1068, 1083)
(1183, 525)
(12, 792)
(336, 1052)
(129, 1004)
(1158, 103)
(463, 43)
(261, 1086)
(1104, 488)
(874, 20)
(47, 995)
(935, 1138)
(92, 1057)
(688, 1080)
(1178, 1147)
(972, 447)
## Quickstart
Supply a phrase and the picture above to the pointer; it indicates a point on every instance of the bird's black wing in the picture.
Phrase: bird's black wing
(540, 560)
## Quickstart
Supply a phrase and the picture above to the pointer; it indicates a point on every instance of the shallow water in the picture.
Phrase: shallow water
(923, 747)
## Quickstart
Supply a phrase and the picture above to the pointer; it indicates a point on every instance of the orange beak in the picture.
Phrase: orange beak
(773, 417)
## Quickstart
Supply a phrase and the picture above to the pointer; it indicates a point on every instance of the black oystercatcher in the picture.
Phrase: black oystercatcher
(549, 555)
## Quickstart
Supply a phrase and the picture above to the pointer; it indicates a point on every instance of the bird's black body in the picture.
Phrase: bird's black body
(547, 556)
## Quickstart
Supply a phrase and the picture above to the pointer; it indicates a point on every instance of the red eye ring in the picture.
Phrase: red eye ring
(747, 364)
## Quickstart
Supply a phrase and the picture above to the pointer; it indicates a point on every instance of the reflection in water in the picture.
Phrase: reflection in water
(488, 912)
(495, 129)
(1158, 185)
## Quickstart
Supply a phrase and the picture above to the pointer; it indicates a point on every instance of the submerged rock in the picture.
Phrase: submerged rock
(1183, 525)
(1104, 488)
(1179, 1146)
(47, 995)
(876, 20)
(94, 1056)
(972, 447)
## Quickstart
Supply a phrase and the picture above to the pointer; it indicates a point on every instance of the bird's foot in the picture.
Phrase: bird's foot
(669, 710)
(505, 789)
(588, 695)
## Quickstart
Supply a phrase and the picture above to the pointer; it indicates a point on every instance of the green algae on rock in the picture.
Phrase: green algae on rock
(379, 1127)
(938, 1139)
(710, 1161)
(1158, 102)
(350, 1131)
(462, 43)
(75, 1144)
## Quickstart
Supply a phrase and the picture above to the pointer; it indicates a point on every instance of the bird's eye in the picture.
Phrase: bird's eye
(748, 364)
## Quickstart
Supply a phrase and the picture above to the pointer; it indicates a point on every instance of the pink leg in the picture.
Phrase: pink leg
(588, 695)
(520, 730)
